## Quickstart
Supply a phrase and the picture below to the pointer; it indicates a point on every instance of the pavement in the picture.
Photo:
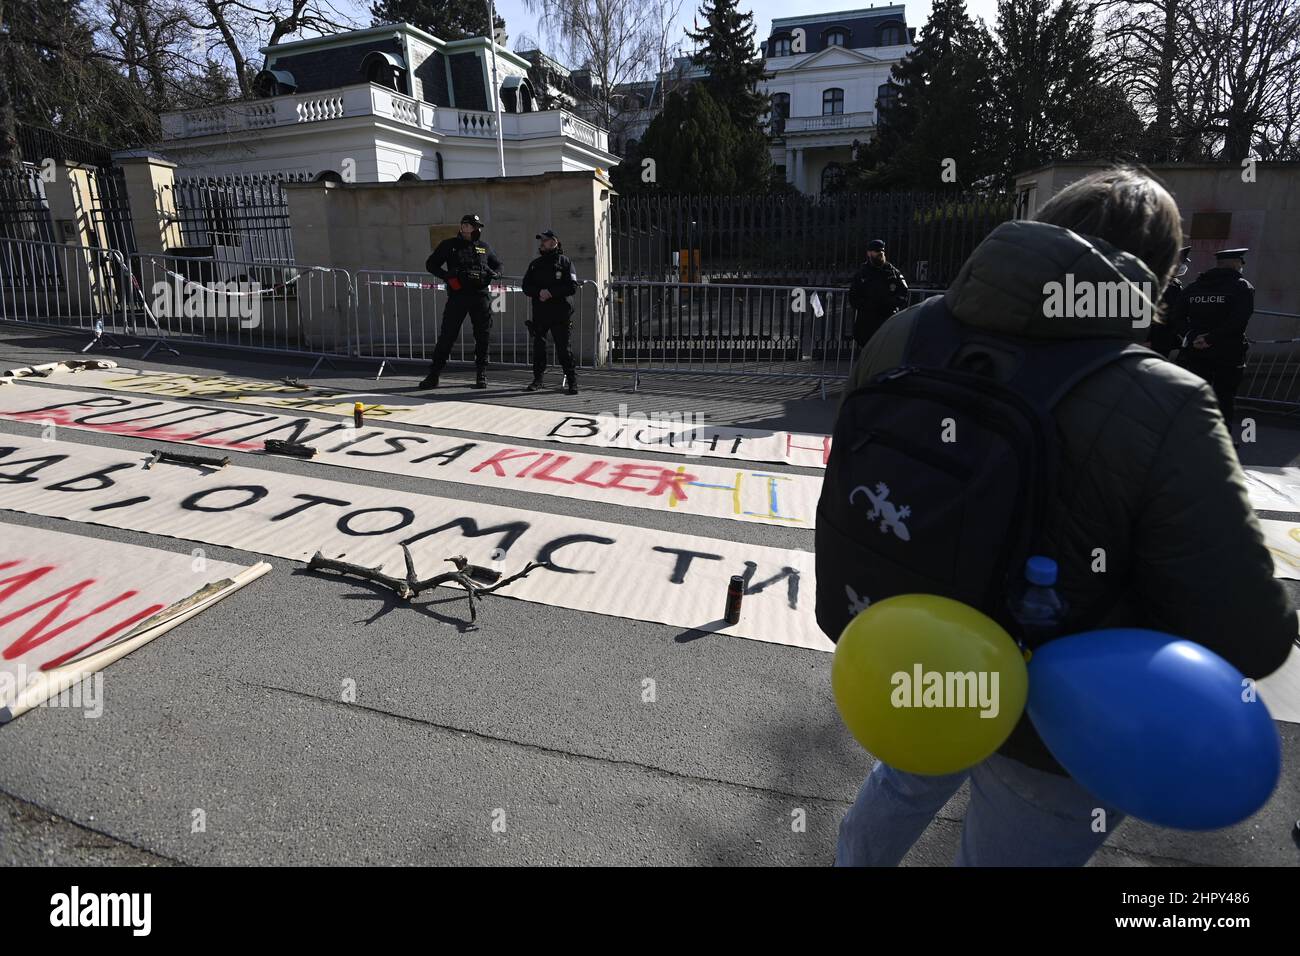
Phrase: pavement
(525, 740)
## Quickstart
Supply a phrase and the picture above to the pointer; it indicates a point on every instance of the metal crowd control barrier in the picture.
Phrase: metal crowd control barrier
(1272, 376)
(298, 309)
(399, 314)
(765, 331)
(66, 287)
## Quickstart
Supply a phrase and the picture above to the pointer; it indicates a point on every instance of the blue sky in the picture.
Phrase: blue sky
(519, 20)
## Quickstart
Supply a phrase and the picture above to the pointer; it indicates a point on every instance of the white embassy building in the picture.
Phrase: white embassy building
(382, 104)
(828, 73)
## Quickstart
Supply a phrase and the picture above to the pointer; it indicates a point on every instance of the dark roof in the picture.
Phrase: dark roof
(863, 31)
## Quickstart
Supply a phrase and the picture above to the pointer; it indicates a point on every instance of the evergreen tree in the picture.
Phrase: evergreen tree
(1051, 89)
(53, 75)
(696, 149)
(445, 19)
(728, 50)
(943, 109)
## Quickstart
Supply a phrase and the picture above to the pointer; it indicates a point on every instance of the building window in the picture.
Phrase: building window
(781, 47)
(832, 101)
(892, 35)
(780, 113)
(886, 96)
(384, 69)
(837, 38)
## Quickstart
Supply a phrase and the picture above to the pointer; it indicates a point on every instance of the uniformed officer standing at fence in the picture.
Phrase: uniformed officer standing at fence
(1212, 314)
(468, 265)
(550, 282)
(1164, 336)
(878, 291)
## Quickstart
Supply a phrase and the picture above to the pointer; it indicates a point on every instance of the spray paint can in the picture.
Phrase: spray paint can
(357, 416)
(735, 593)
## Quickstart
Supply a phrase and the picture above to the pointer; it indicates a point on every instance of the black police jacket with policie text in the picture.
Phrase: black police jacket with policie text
(471, 263)
(554, 272)
(877, 292)
(1217, 305)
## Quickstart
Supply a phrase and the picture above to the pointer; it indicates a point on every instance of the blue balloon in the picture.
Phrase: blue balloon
(1155, 726)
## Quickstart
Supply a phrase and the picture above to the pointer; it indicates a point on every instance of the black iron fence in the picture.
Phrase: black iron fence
(242, 218)
(37, 144)
(768, 330)
(796, 239)
(108, 208)
(24, 208)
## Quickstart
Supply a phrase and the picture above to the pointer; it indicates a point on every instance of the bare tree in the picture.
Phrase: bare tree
(616, 40)
(244, 27)
(1256, 55)
(668, 42)
(1211, 79)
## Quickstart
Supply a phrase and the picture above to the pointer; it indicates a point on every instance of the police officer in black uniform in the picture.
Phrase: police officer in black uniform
(877, 291)
(550, 282)
(1164, 336)
(1212, 314)
(468, 265)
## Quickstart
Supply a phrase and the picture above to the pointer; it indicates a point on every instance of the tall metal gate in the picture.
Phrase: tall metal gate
(28, 257)
(109, 209)
(244, 218)
(798, 240)
(24, 209)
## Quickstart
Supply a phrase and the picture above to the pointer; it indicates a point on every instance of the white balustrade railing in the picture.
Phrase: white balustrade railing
(831, 121)
(370, 100)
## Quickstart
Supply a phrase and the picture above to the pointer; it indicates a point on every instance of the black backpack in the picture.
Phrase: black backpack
(902, 511)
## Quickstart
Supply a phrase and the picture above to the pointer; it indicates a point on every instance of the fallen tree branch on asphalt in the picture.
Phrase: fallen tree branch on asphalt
(466, 575)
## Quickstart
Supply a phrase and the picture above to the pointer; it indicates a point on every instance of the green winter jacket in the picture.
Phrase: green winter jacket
(1150, 481)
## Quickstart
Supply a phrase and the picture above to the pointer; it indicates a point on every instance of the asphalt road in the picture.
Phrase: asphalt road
(534, 718)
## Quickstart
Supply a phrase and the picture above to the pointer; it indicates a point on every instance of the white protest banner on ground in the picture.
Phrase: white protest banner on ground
(674, 434)
(1273, 489)
(1282, 538)
(1280, 690)
(694, 489)
(70, 605)
(607, 568)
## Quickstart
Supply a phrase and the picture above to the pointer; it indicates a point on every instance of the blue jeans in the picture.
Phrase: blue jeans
(1018, 816)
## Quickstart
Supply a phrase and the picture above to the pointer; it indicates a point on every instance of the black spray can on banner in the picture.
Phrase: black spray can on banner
(735, 592)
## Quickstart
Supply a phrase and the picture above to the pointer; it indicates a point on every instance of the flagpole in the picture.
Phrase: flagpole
(496, 85)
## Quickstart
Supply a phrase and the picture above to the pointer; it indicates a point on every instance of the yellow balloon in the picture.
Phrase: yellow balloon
(927, 684)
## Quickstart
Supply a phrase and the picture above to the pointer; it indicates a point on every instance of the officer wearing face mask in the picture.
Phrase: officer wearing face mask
(468, 265)
(877, 291)
(550, 282)
(1164, 337)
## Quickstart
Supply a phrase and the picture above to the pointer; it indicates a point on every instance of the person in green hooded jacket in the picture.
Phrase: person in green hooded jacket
(1151, 479)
